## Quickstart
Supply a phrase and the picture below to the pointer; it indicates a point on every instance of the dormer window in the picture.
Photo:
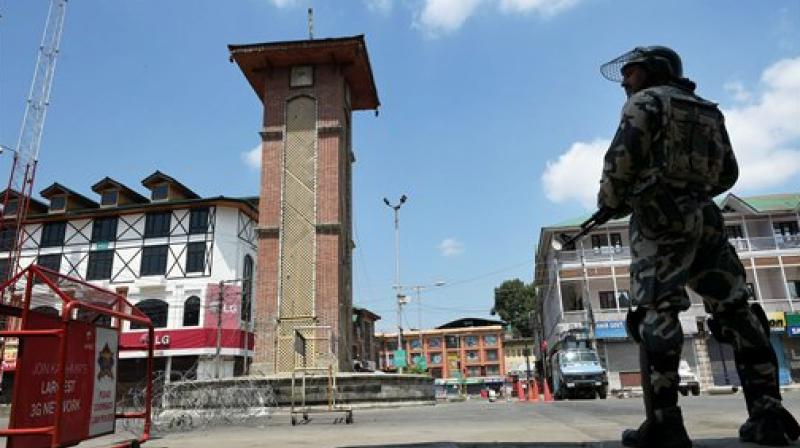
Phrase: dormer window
(159, 192)
(11, 207)
(58, 204)
(109, 198)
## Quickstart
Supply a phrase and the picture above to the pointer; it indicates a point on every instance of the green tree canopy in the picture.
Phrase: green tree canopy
(514, 301)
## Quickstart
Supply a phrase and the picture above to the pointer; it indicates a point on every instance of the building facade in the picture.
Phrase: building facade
(365, 346)
(187, 262)
(587, 286)
(462, 352)
(309, 90)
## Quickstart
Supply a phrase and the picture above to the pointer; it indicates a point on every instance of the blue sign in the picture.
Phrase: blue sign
(610, 329)
(793, 331)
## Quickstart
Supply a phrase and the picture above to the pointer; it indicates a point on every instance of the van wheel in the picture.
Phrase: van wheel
(695, 390)
(602, 394)
(684, 391)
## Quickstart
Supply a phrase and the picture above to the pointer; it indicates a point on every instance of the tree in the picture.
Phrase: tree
(514, 302)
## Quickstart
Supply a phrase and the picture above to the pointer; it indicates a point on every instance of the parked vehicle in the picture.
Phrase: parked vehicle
(688, 382)
(576, 370)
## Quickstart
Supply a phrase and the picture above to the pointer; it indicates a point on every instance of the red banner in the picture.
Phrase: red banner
(187, 339)
(231, 306)
(89, 386)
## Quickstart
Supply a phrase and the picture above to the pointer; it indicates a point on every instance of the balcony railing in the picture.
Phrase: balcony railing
(611, 253)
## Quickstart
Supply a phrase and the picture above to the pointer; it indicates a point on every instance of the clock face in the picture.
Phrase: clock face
(302, 76)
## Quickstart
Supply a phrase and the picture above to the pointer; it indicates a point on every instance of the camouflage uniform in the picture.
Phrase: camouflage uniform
(671, 155)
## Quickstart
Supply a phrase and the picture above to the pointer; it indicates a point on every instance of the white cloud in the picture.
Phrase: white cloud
(252, 158)
(737, 89)
(438, 17)
(576, 173)
(444, 16)
(380, 6)
(450, 247)
(546, 8)
(765, 133)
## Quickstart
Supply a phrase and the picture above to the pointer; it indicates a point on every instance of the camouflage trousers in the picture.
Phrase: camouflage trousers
(680, 242)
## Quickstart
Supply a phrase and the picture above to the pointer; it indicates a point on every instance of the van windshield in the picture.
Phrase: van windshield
(574, 357)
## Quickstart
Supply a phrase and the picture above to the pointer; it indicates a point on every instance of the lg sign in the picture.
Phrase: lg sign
(161, 340)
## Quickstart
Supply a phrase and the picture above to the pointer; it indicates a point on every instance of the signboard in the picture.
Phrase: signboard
(793, 324)
(610, 329)
(89, 389)
(419, 361)
(231, 306)
(10, 355)
(400, 358)
(777, 321)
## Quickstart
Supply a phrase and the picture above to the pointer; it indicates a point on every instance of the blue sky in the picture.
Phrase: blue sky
(494, 115)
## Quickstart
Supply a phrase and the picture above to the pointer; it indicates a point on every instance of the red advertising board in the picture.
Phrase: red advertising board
(194, 338)
(231, 306)
(89, 388)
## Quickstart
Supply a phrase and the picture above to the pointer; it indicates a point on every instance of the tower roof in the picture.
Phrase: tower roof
(256, 60)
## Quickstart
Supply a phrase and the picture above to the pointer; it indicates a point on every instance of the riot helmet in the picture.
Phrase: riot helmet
(662, 63)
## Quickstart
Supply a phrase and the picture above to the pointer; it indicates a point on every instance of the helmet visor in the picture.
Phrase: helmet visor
(612, 70)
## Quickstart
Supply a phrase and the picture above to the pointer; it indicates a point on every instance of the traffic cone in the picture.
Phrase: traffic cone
(521, 391)
(533, 389)
(548, 397)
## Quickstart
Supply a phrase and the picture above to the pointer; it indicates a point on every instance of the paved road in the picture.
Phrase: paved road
(712, 421)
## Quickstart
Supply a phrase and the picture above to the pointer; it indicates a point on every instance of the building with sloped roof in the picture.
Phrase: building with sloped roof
(168, 251)
(587, 286)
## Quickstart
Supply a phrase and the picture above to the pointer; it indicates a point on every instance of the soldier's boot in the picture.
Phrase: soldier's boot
(660, 340)
(664, 430)
(769, 423)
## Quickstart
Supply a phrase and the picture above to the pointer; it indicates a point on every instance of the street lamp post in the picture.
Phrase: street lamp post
(397, 286)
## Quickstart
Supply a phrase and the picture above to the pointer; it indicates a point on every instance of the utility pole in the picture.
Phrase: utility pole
(397, 287)
(417, 289)
(220, 308)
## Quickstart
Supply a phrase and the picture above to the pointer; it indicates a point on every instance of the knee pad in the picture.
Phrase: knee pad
(661, 332)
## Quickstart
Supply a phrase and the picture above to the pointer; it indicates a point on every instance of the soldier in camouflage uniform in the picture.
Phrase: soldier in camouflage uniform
(670, 156)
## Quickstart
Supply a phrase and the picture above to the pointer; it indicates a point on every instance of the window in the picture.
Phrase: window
(471, 341)
(5, 265)
(733, 231)
(434, 343)
(436, 358)
(154, 260)
(11, 207)
(599, 241)
(247, 288)
(786, 228)
(416, 344)
(473, 371)
(156, 310)
(491, 355)
(490, 340)
(196, 257)
(109, 198)
(58, 203)
(794, 289)
(451, 341)
(607, 300)
(159, 192)
(8, 238)
(157, 224)
(570, 297)
(53, 234)
(100, 265)
(198, 220)
(624, 298)
(752, 290)
(104, 229)
(616, 240)
(472, 356)
(51, 261)
(493, 370)
(191, 312)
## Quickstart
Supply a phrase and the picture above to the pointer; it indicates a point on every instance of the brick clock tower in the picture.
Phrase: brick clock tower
(303, 301)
